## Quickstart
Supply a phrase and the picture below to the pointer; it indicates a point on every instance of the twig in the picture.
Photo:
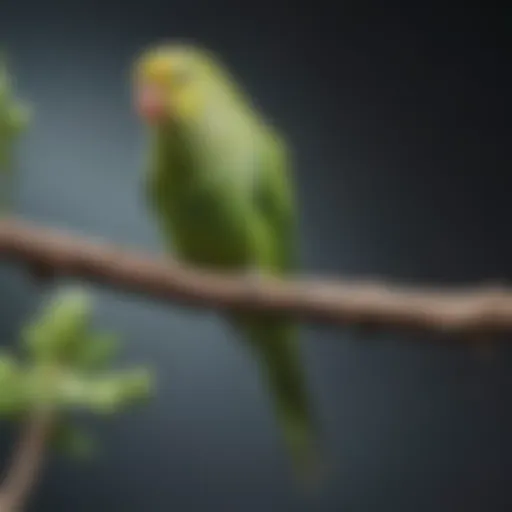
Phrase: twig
(27, 460)
(477, 309)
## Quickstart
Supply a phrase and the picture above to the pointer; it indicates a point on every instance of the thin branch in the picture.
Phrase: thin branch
(26, 464)
(470, 309)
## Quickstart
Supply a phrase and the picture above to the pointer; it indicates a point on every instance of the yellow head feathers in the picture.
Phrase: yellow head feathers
(172, 81)
(178, 81)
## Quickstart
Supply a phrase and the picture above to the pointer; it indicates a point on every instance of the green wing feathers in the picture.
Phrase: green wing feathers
(275, 202)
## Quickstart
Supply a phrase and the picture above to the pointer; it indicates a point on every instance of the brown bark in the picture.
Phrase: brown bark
(26, 464)
(464, 310)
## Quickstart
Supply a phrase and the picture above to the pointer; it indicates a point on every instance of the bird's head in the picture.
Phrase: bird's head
(174, 82)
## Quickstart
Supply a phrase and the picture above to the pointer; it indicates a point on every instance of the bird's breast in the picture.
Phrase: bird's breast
(208, 231)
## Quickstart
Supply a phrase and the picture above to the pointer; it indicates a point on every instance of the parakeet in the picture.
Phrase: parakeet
(218, 180)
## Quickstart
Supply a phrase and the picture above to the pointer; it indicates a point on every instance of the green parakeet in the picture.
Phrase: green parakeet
(219, 184)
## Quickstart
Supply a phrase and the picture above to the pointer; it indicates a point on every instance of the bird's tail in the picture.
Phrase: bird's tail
(275, 345)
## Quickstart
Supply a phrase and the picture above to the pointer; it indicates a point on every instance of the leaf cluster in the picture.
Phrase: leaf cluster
(66, 366)
(14, 116)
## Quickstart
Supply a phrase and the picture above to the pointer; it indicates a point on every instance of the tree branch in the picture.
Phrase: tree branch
(26, 464)
(480, 309)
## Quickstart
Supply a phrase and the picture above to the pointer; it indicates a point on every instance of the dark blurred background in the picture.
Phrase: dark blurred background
(398, 119)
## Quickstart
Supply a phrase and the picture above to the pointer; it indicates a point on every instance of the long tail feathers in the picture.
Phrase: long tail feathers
(274, 343)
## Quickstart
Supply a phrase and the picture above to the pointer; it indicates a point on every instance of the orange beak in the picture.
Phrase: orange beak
(150, 103)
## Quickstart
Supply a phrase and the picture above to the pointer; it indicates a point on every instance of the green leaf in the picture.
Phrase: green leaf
(61, 327)
(14, 118)
(19, 117)
(97, 351)
(67, 364)
(13, 397)
(107, 394)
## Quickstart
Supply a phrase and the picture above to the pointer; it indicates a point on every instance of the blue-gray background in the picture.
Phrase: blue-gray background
(398, 123)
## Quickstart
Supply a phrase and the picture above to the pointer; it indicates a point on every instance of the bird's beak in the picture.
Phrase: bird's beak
(150, 102)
